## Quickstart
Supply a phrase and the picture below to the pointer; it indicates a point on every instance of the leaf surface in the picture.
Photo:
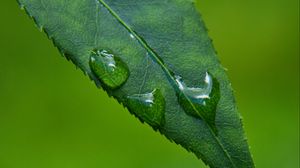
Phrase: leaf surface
(154, 57)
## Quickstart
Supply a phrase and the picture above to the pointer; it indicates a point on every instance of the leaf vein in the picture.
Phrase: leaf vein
(157, 58)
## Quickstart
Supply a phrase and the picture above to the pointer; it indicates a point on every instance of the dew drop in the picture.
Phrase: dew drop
(108, 68)
(148, 107)
(197, 94)
(131, 36)
(204, 99)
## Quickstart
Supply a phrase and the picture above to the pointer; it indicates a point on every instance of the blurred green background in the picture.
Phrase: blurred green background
(52, 116)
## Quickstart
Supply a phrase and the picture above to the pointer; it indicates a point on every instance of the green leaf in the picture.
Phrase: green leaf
(155, 58)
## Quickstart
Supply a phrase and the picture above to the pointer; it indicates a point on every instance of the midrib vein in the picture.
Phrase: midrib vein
(166, 70)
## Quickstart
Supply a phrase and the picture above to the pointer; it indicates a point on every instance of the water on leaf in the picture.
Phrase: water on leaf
(131, 36)
(108, 68)
(204, 99)
(197, 94)
(148, 107)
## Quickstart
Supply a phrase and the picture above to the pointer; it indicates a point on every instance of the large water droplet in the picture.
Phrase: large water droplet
(204, 99)
(149, 107)
(109, 69)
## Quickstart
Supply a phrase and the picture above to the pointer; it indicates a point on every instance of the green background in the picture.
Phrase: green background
(52, 116)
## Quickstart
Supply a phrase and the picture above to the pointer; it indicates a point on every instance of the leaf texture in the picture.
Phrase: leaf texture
(154, 57)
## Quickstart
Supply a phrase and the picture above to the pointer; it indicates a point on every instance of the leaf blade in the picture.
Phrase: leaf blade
(77, 40)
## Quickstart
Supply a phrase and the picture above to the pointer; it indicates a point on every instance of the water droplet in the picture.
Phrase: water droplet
(109, 69)
(204, 99)
(197, 94)
(131, 36)
(149, 107)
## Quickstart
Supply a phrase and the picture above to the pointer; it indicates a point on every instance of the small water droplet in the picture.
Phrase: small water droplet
(109, 69)
(131, 36)
(148, 107)
(204, 99)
